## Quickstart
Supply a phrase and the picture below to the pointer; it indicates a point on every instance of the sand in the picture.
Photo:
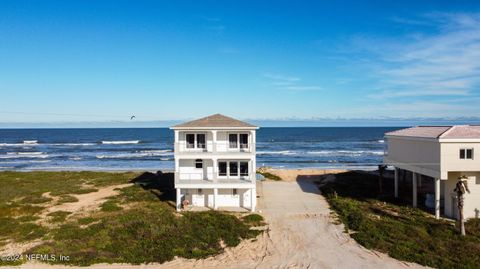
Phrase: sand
(296, 174)
(300, 234)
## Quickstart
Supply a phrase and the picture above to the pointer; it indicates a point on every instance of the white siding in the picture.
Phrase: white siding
(472, 199)
(421, 156)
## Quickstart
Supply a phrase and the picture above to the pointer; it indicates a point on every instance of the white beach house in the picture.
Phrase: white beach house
(215, 163)
(443, 154)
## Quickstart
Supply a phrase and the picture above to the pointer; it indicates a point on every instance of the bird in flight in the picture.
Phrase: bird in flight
(132, 117)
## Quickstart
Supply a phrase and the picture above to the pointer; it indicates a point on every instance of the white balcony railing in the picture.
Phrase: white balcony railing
(210, 177)
(214, 147)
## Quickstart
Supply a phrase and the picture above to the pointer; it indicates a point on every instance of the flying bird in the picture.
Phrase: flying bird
(132, 117)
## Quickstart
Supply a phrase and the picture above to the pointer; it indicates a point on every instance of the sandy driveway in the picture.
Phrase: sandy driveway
(301, 235)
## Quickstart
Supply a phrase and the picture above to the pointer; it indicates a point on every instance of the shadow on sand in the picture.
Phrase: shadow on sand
(161, 184)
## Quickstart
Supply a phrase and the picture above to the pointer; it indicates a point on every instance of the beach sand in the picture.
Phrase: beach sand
(297, 174)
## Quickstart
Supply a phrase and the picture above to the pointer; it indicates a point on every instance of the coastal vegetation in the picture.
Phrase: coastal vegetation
(268, 175)
(380, 222)
(138, 224)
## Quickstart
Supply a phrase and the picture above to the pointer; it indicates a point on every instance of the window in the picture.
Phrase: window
(234, 192)
(222, 168)
(232, 141)
(198, 163)
(233, 169)
(201, 141)
(190, 141)
(243, 141)
(466, 154)
(195, 141)
(243, 168)
(199, 191)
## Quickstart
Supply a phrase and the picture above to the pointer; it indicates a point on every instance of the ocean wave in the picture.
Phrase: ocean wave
(25, 143)
(17, 155)
(381, 141)
(280, 152)
(345, 152)
(121, 142)
(132, 155)
(153, 151)
(75, 158)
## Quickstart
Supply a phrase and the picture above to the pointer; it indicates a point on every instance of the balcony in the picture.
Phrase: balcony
(214, 147)
(200, 177)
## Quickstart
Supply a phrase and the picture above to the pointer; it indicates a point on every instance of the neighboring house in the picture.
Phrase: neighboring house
(443, 153)
(215, 163)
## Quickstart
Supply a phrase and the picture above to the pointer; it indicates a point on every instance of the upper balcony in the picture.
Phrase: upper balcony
(212, 147)
(224, 142)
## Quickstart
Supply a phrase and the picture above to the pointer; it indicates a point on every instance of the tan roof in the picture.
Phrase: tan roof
(421, 131)
(463, 131)
(216, 120)
(449, 132)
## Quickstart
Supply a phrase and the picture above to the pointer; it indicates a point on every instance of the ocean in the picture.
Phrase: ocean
(119, 149)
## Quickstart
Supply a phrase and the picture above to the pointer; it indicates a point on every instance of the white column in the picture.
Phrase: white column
(177, 165)
(215, 194)
(214, 141)
(252, 200)
(179, 200)
(253, 141)
(437, 198)
(414, 183)
(215, 168)
(396, 182)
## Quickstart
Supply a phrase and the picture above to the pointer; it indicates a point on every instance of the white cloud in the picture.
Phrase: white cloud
(445, 61)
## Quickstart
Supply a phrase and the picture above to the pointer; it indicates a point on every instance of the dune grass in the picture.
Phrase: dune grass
(136, 226)
(403, 232)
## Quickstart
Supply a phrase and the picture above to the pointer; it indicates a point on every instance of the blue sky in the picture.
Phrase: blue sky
(101, 61)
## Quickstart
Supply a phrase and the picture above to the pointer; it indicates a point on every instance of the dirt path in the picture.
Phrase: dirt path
(301, 235)
(87, 201)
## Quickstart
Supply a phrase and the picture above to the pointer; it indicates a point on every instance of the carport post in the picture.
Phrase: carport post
(414, 183)
(396, 182)
(178, 199)
(437, 198)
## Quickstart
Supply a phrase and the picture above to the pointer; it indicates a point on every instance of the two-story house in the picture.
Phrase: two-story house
(215, 163)
(442, 153)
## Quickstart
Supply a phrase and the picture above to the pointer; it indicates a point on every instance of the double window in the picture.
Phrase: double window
(232, 168)
(195, 141)
(236, 140)
(466, 154)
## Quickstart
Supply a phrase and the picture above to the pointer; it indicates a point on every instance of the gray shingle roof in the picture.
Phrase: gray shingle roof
(448, 132)
(216, 120)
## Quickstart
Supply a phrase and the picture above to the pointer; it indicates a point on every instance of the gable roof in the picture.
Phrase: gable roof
(448, 132)
(217, 121)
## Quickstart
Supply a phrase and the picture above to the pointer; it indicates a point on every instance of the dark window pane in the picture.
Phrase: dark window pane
(469, 153)
(462, 154)
(190, 141)
(233, 169)
(243, 140)
(201, 141)
(232, 139)
(222, 168)
(198, 163)
(244, 168)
